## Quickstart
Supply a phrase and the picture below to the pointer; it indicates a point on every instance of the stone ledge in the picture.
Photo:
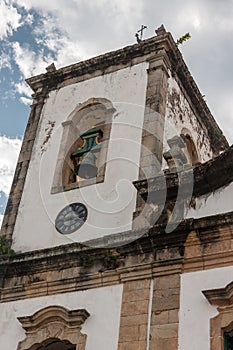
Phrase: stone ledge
(205, 177)
(154, 239)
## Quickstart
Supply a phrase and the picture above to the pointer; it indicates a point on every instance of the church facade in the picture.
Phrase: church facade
(118, 228)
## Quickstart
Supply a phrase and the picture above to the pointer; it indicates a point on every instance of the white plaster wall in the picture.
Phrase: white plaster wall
(110, 204)
(195, 311)
(101, 328)
(180, 115)
(215, 203)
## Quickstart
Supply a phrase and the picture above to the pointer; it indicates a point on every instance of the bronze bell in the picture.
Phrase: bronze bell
(87, 168)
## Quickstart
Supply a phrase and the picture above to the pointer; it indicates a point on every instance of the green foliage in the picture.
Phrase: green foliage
(182, 39)
(4, 246)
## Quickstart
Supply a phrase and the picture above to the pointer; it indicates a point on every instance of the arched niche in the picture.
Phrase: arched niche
(93, 113)
(54, 325)
(190, 147)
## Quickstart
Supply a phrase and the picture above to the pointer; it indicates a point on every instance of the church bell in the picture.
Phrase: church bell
(84, 159)
(87, 168)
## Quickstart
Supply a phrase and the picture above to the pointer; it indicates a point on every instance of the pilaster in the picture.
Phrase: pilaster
(22, 165)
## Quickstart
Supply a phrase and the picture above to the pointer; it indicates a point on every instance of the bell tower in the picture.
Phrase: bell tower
(120, 212)
(95, 128)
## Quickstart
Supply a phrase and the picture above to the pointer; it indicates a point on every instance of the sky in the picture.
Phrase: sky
(35, 33)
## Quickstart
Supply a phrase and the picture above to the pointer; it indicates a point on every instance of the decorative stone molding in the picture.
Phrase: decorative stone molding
(53, 322)
(221, 296)
(206, 178)
(75, 267)
(223, 322)
(94, 111)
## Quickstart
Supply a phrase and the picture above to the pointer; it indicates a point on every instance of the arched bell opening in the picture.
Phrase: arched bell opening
(82, 159)
(190, 147)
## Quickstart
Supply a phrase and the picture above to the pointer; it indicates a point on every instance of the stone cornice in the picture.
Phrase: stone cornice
(76, 267)
(221, 296)
(101, 63)
(109, 258)
(207, 177)
(73, 318)
(128, 56)
(89, 280)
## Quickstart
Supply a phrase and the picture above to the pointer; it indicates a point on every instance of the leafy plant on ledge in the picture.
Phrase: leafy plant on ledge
(182, 39)
(4, 246)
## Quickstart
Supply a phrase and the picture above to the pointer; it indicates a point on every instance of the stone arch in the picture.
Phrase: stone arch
(95, 112)
(54, 324)
(191, 149)
(54, 344)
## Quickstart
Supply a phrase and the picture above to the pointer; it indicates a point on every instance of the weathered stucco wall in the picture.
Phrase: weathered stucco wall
(180, 115)
(101, 327)
(110, 204)
(215, 203)
(195, 310)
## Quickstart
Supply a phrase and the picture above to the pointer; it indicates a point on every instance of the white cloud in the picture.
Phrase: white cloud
(28, 61)
(23, 89)
(26, 101)
(9, 150)
(5, 61)
(64, 31)
(9, 19)
(65, 50)
(27, 4)
(92, 26)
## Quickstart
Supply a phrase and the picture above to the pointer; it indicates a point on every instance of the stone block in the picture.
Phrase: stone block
(129, 333)
(173, 316)
(167, 299)
(142, 284)
(136, 295)
(164, 344)
(134, 320)
(159, 317)
(143, 332)
(135, 345)
(166, 331)
(135, 308)
(165, 282)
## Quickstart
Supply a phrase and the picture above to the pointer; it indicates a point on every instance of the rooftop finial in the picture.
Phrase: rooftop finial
(51, 68)
(161, 30)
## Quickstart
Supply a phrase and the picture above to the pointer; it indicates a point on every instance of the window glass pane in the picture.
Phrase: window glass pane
(228, 341)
